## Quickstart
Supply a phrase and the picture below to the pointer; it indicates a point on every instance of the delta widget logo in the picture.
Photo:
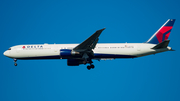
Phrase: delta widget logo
(23, 47)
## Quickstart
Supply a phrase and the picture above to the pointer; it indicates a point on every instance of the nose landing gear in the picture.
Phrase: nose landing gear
(91, 66)
(15, 64)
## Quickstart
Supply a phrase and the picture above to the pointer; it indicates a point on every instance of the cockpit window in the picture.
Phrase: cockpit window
(9, 49)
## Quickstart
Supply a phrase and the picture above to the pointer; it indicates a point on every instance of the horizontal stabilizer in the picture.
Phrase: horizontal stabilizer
(163, 44)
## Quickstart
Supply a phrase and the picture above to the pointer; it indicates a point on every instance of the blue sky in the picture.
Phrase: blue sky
(150, 78)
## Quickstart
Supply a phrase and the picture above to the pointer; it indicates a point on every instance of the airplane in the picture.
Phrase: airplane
(90, 49)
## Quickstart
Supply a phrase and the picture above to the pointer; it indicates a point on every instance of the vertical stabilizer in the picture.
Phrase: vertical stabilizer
(163, 32)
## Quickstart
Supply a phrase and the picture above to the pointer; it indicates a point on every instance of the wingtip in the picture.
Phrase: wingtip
(103, 29)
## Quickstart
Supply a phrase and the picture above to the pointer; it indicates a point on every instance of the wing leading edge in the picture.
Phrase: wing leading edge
(89, 43)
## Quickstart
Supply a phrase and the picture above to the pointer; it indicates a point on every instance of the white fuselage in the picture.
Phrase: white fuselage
(89, 49)
(101, 51)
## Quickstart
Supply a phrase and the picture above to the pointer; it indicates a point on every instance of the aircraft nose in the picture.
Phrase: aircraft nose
(6, 53)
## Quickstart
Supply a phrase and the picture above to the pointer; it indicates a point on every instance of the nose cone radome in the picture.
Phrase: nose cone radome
(6, 53)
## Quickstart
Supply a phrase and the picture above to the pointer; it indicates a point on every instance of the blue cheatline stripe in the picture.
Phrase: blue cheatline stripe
(98, 55)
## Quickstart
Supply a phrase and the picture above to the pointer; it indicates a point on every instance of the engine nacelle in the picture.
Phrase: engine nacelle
(74, 62)
(66, 53)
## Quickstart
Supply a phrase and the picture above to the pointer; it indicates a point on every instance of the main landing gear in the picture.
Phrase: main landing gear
(91, 66)
(15, 64)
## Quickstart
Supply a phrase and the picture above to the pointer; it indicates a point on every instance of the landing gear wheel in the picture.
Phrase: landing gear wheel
(92, 66)
(88, 67)
(15, 64)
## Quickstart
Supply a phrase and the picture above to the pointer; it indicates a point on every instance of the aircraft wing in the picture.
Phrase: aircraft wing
(89, 43)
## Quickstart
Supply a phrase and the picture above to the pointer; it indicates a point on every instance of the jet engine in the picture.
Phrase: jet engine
(66, 53)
